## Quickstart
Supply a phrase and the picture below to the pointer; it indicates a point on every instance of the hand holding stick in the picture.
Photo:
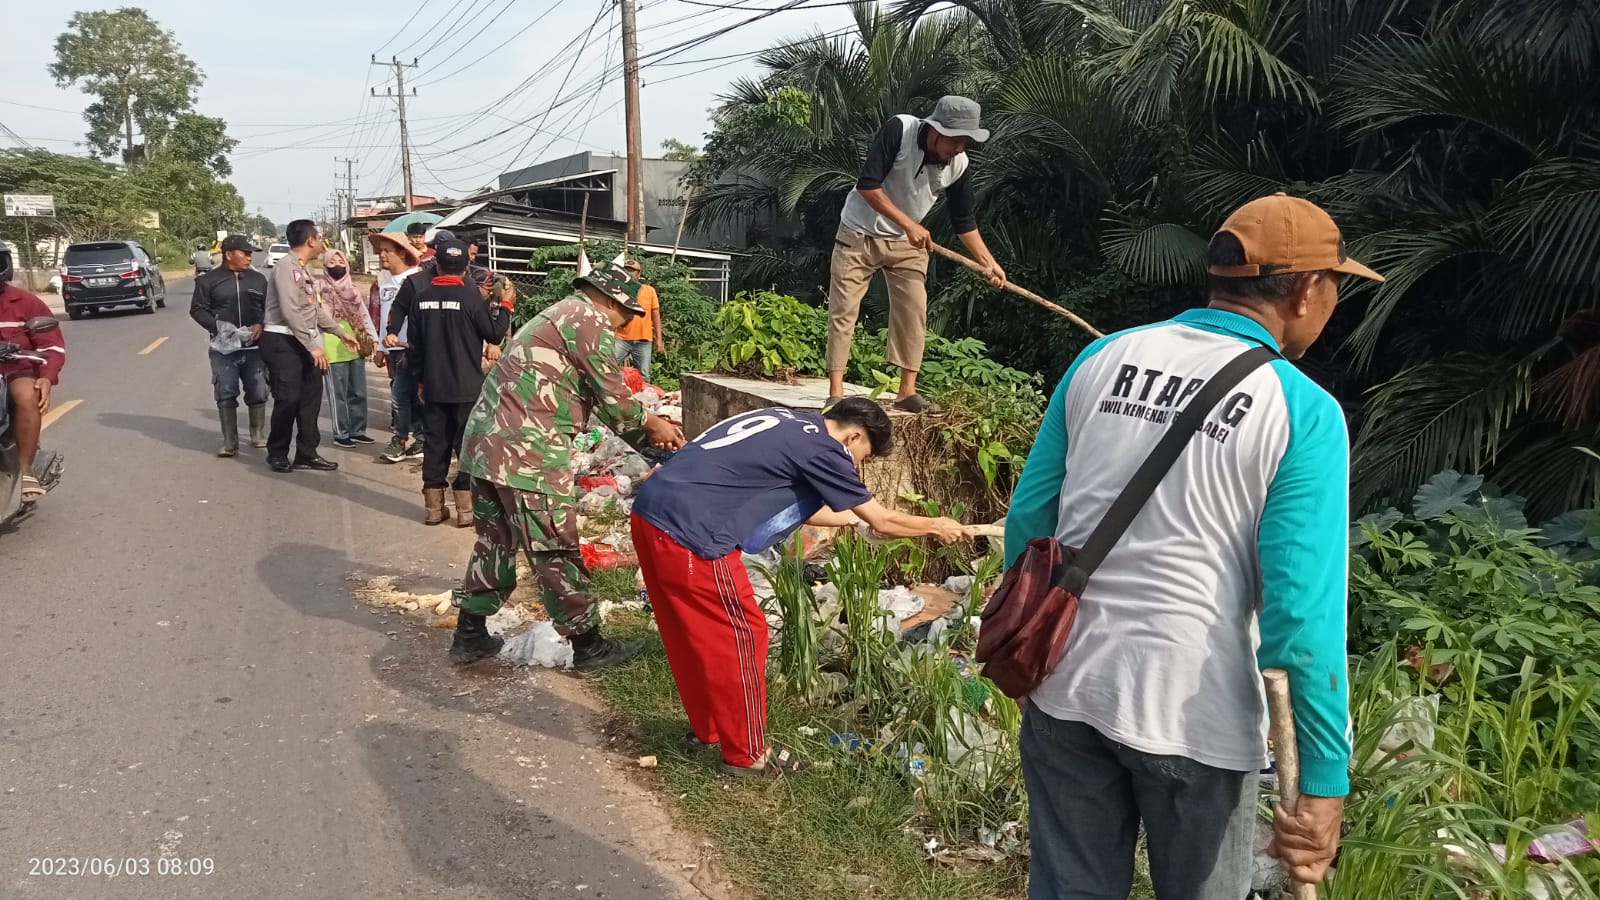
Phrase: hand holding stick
(1019, 291)
(1280, 714)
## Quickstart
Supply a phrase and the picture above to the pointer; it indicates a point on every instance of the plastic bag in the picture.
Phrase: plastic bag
(540, 645)
(229, 338)
(605, 556)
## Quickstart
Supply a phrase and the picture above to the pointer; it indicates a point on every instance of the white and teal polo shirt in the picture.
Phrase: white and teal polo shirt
(1237, 563)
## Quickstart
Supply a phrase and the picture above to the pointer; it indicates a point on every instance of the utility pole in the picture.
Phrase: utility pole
(398, 92)
(630, 77)
(349, 208)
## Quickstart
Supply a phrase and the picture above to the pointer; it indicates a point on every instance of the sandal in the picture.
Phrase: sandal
(779, 762)
(31, 489)
(692, 743)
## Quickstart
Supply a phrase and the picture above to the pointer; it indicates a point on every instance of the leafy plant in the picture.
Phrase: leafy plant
(771, 335)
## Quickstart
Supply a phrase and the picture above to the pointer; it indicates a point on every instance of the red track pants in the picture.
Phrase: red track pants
(715, 635)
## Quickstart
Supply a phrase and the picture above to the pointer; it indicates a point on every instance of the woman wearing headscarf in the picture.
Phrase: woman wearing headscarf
(347, 369)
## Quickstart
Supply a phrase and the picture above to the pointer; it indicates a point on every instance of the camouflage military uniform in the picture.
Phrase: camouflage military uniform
(554, 372)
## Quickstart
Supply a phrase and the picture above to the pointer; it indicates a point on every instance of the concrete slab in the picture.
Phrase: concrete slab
(708, 398)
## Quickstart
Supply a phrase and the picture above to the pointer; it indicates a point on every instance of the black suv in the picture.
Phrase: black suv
(102, 274)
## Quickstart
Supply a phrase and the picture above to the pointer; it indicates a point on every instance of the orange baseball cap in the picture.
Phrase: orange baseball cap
(1283, 235)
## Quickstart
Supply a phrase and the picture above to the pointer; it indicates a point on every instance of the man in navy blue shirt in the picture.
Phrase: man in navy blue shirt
(745, 485)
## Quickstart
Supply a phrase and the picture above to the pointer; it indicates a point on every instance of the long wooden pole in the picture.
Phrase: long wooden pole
(1020, 291)
(1286, 752)
(683, 217)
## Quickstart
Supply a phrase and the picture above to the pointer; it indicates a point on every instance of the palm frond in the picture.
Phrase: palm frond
(1396, 80)
(1450, 412)
(1224, 175)
(1554, 472)
(1405, 257)
(1161, 253)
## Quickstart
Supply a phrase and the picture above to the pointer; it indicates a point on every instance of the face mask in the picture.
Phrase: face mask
(337, 272)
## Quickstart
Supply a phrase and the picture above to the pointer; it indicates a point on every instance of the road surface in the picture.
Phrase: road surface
(192, 692)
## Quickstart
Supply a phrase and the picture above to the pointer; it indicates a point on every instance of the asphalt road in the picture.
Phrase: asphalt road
(192, 691)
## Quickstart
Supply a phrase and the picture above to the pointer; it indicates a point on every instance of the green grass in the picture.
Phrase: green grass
(841, 830)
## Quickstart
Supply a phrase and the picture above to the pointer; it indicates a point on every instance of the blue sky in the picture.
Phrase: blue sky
(294, 86)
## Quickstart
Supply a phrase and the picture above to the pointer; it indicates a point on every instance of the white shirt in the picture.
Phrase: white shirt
(388, 287)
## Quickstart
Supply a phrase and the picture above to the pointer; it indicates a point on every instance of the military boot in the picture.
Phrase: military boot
(229, 417)
(258, 426)
(463, 509)
(472, 641)
(592, 651)
(433, 498)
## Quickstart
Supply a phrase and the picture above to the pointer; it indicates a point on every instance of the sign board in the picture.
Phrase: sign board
(150, 219)
(30, 205)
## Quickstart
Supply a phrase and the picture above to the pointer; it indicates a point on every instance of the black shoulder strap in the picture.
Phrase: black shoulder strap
(1161, 459)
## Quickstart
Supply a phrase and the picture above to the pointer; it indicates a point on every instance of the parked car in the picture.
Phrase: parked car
(100, 275)
(275, 253)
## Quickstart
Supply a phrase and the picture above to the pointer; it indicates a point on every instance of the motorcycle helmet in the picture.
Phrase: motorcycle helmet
(5, 264)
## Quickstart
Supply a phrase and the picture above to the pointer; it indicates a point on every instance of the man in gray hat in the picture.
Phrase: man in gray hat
(912, 163)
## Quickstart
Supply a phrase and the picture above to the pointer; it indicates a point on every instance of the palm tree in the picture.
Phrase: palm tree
(1457, 142)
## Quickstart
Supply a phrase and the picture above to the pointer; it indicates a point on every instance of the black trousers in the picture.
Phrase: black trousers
(296, 396)
(443, 426)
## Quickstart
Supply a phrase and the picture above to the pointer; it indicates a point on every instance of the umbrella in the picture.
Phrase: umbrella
(400, 222)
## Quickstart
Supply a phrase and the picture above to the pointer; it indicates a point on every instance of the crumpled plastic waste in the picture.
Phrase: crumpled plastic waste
(901, 603)
(539, 645)
(1413, 730)
(230, 338)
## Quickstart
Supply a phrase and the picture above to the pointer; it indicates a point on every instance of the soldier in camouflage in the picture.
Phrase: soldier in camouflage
(554, 372)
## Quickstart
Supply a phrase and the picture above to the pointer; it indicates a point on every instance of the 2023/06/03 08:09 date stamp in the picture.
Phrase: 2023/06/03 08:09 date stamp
(120, 866)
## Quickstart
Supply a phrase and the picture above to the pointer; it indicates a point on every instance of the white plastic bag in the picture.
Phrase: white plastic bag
(540, 645)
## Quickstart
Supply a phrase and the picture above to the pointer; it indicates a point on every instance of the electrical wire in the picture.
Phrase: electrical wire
(489, 54)
(396, 36)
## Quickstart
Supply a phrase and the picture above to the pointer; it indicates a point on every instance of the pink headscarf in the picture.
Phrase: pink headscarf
(344, 303)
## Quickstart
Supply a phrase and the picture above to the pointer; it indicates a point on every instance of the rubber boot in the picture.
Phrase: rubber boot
(463, 509)
(258, 426)
(591, 651)
(229, 417)
(433, 498)
(472, 641)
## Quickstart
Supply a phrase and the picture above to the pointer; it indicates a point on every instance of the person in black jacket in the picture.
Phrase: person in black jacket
(234, 294)
(449, 324)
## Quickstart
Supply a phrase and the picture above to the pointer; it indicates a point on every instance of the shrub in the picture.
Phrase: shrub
(688, 316)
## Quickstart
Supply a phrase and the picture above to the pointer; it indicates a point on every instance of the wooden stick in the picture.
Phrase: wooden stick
(682, 217)
(1019, 291)
(1286, 750)
(583, 219)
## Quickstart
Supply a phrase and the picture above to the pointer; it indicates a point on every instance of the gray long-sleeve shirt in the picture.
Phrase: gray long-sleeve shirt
(292, 306)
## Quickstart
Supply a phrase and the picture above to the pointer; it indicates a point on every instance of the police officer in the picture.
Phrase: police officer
(227, 299)
(291, 346)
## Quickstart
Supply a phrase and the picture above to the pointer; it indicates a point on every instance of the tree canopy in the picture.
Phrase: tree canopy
(134, 69)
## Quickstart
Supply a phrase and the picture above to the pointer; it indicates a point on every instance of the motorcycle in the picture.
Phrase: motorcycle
(47, 464)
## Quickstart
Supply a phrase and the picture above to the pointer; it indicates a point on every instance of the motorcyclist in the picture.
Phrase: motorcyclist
(28, 383)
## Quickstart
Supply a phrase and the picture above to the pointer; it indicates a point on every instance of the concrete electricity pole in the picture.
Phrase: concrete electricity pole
(398, 92)
(630, 75)
(349, 208)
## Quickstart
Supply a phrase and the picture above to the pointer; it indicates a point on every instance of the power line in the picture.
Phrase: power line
(455, 26)
(489, 54)
(392, 38)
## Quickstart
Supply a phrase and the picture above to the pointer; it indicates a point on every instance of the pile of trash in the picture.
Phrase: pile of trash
(609, 472)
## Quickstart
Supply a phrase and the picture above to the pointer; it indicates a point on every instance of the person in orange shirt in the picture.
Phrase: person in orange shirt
(637, 340)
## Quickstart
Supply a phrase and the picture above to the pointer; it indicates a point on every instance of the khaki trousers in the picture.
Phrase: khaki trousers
(855, 257)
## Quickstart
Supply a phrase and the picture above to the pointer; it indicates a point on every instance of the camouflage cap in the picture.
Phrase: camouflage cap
(615, 285)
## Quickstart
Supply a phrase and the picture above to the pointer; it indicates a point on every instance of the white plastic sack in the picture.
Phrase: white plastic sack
(540, 645)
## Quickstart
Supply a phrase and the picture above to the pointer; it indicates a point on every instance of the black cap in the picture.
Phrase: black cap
(451, 256)
(440, 236)
(238, 242)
